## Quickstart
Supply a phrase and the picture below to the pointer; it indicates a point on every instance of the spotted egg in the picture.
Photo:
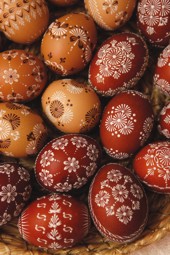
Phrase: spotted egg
(23, 76)
(118, 203)
(126, 124)
(68, 43)
(22, 130)
(71, 106)
(118, 64)
(67, 162)
(15, 190)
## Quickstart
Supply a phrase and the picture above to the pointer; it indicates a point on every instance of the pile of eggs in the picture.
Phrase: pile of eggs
(76, 109)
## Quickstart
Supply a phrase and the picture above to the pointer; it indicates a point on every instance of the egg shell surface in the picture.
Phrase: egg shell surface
(63, 2)
(67, 162)
(71, 106)
(110, 15)
(161, 78)
(15, 190)
(153, 19)
(23, 76)
(54, 221)
(22, 131)
(126, 124)
(15, 17)
(118, 64)
(118, 203)
(164, 121)
(68, 43)
(152, 165)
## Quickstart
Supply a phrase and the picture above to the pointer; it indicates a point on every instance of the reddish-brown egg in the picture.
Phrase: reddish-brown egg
(63, 3)
(68, 43)
(15, 190)
(152, 165)
(164, 121)
(118, 203)
(110, 14)
(67, 162)
(22, 130)
(153, 18)
(118, 64)
(71, 106)
(23, 21)
(126, 124)
(55, 222)
(23, 76)
(161, 78)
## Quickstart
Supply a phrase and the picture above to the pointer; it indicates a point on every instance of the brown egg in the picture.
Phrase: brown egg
(72, 107)
(110, 14)
(22, 131)
(68, 43)
(63, 2)
(23, 21)
(22, 76)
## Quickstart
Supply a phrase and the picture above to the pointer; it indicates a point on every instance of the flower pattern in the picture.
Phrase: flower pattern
(115, 192)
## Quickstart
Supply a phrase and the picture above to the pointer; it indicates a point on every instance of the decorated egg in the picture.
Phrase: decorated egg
(153, 18)
(118, 203)
(161, 78)
(164, 121)
(118, 64)
(110, 15)
(15, 190)
(23, 76)
(67, 162)
(126, 124)
(55, 222)
(71, 106)
(23, 21)
(63, 2)
(152, 165)
(22, 131)
(68, 43)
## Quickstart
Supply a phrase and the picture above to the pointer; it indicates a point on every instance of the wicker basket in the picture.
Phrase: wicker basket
(158, 225)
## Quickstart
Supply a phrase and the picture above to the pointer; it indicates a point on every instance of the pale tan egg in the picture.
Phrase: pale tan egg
(23, 21)
(71, 106)
(63, 2)
(22, 131)
(23, 76)
(110, 14)
(68, 43)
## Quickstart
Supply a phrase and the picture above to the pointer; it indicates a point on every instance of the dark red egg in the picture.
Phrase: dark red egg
(67, 162)
(153, 18)
(118, 64)
(161, 78)
(126, 124)
(54, 221)
(15, 190)
(118, 203)
(152, 165)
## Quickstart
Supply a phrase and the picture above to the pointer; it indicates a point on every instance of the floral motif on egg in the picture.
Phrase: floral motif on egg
(154, 13)
(119, 194)
(114, 59)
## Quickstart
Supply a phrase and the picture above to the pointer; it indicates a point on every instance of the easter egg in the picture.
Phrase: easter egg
(126, 124)
(152, 165)
(22, 130)
(55, 222)
(67, 162)
(15, 190)
(68, 43)
(118, 203)
(164, 121)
